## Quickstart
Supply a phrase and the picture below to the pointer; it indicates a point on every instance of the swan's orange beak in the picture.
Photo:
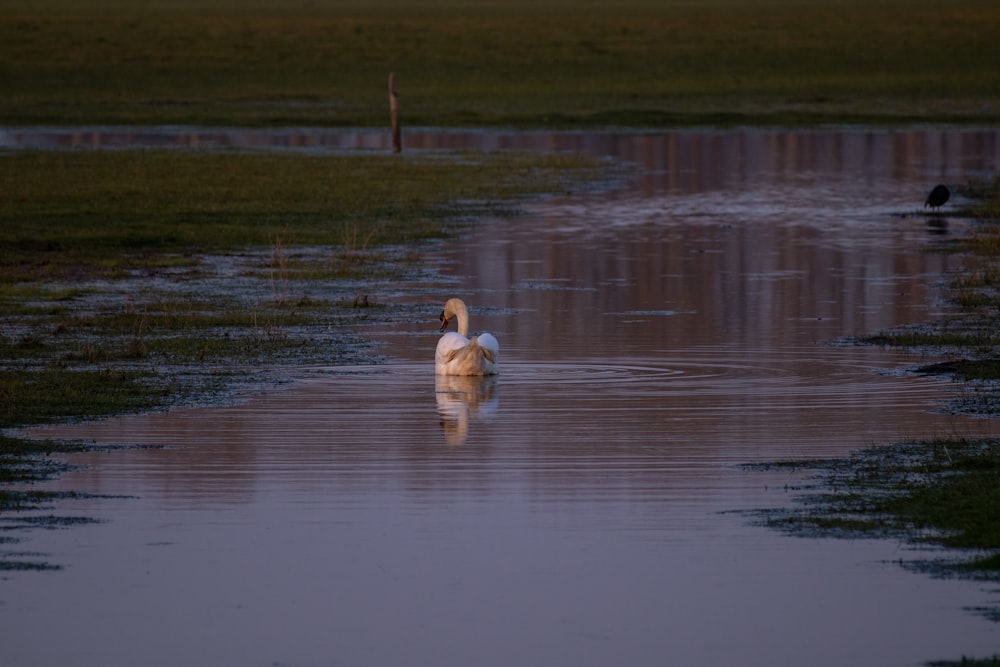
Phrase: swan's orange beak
(444, 321)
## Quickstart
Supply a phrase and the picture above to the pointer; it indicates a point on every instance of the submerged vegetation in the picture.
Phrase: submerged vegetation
(22, 463)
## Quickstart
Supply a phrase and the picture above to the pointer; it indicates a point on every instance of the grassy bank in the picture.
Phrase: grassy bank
(107, 213)
(134, 281)
(128, 279)
(942, 492)
(504, 62)
(971, 337)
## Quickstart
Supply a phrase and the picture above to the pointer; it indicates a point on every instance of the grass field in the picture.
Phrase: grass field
(108, 212)
(544, 63)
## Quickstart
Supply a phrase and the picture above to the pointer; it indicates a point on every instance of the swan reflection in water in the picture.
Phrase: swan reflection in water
(462, 399)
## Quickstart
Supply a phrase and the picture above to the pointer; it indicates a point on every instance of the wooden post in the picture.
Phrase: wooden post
(397, 142)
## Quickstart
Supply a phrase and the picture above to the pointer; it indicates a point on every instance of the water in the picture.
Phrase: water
(583, 508)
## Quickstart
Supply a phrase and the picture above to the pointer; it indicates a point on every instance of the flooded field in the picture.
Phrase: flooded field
(587, 506)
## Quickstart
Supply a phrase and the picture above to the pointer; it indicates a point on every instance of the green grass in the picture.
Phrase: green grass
(976, 292)
(33, 396)
(138, 280)
(950, 486)
(111, 211)
(169, 325)
(944, 492)
(544, 63)
(145, 220)
(975, 330)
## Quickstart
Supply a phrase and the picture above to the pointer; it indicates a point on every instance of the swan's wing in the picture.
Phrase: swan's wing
(490, 346)
(457, 355)
(449, 346)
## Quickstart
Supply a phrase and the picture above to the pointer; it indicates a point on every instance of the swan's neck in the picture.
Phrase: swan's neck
(462, 315)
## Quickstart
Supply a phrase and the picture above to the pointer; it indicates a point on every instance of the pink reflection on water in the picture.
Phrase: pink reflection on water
(578, 509)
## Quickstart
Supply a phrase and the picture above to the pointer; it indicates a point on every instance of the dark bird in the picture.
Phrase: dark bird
(938, 196)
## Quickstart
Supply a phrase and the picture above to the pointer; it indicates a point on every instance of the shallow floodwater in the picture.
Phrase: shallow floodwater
(587, 506)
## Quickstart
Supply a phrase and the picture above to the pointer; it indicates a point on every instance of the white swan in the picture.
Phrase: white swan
(458, 355)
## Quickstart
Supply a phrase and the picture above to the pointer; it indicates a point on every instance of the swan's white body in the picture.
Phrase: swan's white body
(457, 354)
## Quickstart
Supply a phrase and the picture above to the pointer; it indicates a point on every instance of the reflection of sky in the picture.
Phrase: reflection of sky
(585, 517)
(752, 237)
(652, 338)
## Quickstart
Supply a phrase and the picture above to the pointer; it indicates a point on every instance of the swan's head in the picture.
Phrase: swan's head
(453, 308)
